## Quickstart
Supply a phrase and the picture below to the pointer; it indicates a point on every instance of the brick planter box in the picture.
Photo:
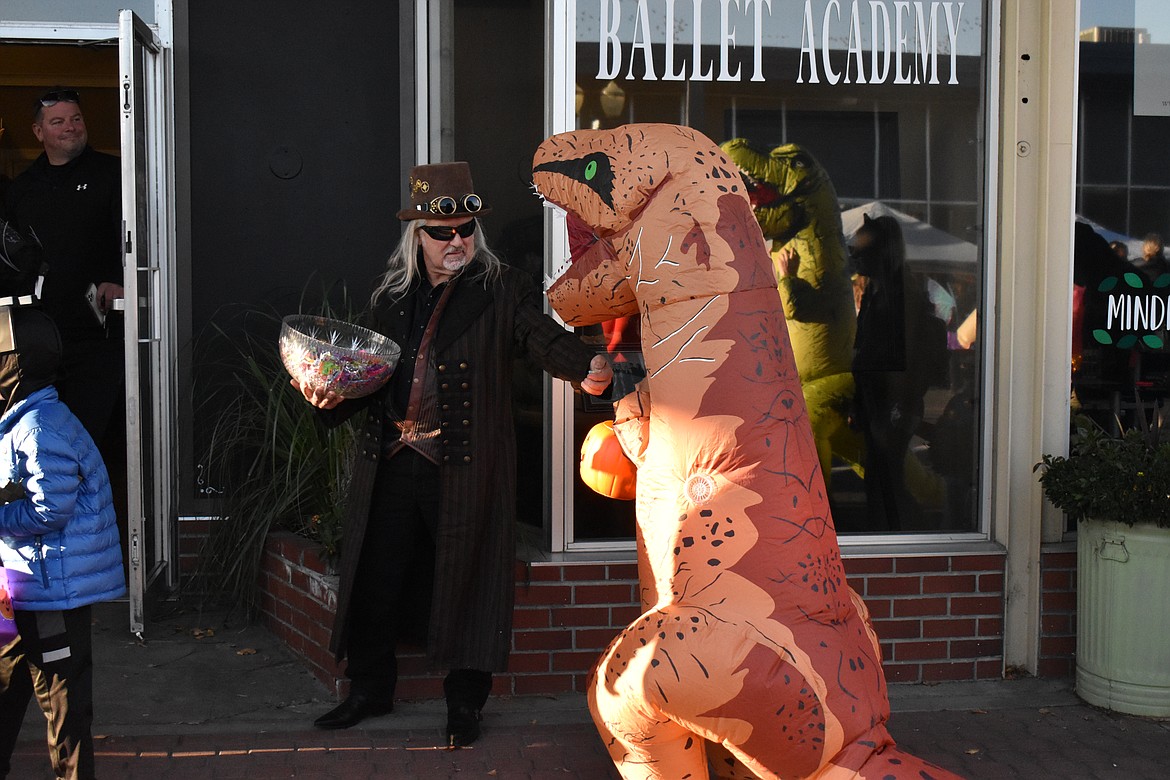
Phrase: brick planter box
(298, 600)
(940, 618)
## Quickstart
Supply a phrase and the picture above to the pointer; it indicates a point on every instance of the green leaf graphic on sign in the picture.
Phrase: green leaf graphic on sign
(1152, 341)
(1135, 281)
(1125, 342)
(1102, 336)
(1107, 284)
(1162, 281)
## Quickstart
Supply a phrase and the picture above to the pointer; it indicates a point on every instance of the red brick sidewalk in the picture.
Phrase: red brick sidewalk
(1031, 742)
(563, 752)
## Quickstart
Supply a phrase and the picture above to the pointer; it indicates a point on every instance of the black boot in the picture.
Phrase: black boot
(462, 725)
(357, 707)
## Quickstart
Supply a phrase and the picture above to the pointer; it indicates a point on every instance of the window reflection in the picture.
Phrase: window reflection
(895, 124)
(1120, 359)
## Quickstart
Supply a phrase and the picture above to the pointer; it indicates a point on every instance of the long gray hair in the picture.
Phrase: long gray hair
(402, 267)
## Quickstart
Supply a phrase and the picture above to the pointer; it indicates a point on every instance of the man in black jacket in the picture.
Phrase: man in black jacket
(70, 199)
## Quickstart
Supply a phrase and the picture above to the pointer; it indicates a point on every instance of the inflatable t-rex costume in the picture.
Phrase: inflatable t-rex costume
(796, 205)
(752, 637)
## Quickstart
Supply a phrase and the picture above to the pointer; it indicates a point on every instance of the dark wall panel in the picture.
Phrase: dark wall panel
(294, 146)
(295, 156)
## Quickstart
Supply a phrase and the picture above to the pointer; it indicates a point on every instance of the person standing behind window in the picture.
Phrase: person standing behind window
(1153, 263)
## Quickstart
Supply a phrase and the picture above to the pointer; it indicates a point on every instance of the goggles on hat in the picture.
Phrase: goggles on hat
(50, 99)
(447, 232)
(447, 205)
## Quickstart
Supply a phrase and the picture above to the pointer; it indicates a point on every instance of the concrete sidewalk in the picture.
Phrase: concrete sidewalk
(197, 700)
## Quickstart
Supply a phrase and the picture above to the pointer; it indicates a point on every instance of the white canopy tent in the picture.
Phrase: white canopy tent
(930, 252)
(926, 246)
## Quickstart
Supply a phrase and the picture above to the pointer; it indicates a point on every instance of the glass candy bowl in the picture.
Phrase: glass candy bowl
(350, 360)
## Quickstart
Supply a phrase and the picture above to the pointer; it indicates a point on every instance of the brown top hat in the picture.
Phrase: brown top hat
(442, 190)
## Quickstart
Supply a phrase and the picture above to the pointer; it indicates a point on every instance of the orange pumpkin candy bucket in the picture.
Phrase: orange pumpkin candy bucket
(605, 468)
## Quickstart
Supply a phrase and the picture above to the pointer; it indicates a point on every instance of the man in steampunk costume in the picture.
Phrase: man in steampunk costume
(429, 547)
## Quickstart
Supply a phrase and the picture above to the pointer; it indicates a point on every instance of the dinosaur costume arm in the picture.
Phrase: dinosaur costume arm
(802, 302)
(805, 302)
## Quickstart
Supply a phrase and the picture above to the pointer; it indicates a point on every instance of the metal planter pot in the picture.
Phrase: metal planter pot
(1123, 617)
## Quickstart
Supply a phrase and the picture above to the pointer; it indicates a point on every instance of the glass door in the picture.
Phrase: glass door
(147, 206)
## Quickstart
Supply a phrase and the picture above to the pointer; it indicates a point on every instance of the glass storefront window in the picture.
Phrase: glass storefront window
(881, 105)
(1121, 346)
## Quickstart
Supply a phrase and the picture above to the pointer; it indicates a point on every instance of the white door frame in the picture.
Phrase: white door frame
(149, 283)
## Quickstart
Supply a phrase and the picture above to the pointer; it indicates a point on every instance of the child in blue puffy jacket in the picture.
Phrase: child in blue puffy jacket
(58, 543)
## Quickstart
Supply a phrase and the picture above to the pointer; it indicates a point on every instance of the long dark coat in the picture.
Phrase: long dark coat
(480, 333)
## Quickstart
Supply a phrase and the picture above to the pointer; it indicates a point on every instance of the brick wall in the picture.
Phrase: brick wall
(193, 533)
(566, 614)
(298, 601)
(940, 618)
(1058, 610)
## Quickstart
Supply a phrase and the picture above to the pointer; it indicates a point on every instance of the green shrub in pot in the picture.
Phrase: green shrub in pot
(1122, 477)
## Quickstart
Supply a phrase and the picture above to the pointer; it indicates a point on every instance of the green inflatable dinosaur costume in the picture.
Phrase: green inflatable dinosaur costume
(796, 205)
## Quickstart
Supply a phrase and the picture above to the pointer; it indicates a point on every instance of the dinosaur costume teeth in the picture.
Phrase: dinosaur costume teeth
(752, 649)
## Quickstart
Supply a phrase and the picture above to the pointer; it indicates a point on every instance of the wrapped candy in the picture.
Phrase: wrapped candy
(328, 354)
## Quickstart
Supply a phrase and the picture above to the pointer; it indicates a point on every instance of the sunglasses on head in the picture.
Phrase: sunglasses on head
(448, 205)
(447, 232)
(50, 99)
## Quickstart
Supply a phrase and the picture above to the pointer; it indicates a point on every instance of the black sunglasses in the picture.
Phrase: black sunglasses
(447, 232)
(448, 205)
(50, 99)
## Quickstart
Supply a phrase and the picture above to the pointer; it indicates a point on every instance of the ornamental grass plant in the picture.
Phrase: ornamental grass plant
(1121, 476)
(266, 463)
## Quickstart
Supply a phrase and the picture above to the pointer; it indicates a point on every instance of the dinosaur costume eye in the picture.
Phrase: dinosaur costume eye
(593, 170)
